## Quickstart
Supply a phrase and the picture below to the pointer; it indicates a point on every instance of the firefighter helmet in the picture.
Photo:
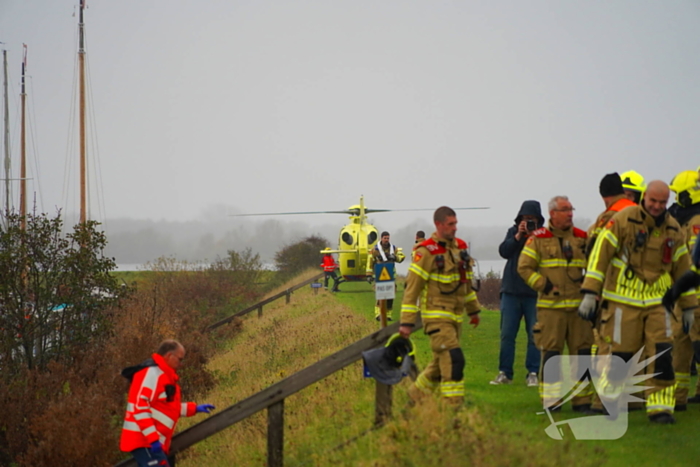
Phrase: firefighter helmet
(390, 363)
(686, 187)
(633, 181)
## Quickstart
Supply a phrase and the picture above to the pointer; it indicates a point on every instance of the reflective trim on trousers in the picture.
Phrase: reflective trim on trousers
(549, 391)
(662, 401)
(425, 384)
(683, 380)
(452, 389)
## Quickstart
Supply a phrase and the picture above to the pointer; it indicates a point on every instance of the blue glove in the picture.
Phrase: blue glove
(205, 408)
(156, 447)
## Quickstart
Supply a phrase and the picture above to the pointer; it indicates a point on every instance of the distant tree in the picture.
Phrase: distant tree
(56, 290)
(296, 257)
(244, 266)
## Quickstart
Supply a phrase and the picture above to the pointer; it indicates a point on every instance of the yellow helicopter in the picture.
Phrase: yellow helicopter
(356, 239)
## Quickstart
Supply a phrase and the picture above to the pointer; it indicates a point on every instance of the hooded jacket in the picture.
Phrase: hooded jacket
(154, 405)
(510, 250)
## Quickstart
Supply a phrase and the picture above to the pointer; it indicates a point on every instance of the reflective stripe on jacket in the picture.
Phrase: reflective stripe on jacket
(448, 292)
(635, 260)
(691, 230)
(620, 203)
(328, 263)
(543, 258)
(379, 254)
(151, 414)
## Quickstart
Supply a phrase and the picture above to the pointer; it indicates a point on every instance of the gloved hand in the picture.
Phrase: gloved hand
(205, 408)
(548, 286)
(688, 319)
(156, 447)
(586, 309)
(668, 301)
(475, 319)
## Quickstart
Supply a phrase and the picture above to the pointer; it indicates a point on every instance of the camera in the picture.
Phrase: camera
(530, 225)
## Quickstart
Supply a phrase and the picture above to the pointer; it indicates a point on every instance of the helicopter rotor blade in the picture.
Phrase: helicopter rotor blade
(369, 211)
(289, 213)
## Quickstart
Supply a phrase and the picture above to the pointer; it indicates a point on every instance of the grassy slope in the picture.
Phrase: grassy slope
(515, 406)
(498, 427)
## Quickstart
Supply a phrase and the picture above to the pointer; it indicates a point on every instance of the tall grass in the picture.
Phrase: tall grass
(287, 339)
(320, 419)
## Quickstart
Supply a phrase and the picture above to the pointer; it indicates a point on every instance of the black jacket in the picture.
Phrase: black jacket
(510, 250)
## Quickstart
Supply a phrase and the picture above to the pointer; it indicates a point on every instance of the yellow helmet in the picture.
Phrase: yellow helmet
(633, 181)
(687, 188)
(327, 248)
(684, 180)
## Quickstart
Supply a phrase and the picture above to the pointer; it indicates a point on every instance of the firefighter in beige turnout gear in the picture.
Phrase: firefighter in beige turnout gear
(442, 268)
(686, 211)
(613, 193)
(615, 200)
(552, 263)
(635, 260)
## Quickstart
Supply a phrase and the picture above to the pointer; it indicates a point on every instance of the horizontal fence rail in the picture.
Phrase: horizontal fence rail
(258, 306)
(274, 396)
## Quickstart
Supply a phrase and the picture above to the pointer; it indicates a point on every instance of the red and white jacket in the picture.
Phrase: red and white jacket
(153, 407)
(329, 263)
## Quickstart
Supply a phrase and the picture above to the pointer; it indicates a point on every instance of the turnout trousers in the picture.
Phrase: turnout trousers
(684, 347)
(445, 372)
(554, 328)
(624, 330)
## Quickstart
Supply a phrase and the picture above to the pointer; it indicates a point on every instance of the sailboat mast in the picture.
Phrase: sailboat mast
(7, 137)
(23, 149)
(81, 106)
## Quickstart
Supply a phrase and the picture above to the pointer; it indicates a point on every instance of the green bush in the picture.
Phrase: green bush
(296, 257)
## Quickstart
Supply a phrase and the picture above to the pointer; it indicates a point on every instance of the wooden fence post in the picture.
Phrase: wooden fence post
(260, 312)
(289, 296)
(382, 407)
(275, 434)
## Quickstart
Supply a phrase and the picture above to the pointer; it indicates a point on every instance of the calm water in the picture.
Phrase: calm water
(484, 266)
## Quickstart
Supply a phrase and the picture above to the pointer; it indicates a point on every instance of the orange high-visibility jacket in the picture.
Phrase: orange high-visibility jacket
(328, 263)
(153, 407)
(620, 203)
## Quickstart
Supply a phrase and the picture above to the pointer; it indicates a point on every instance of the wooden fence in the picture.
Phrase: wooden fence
(272, 399)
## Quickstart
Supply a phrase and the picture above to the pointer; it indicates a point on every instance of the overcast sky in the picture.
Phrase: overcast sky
(206, 108)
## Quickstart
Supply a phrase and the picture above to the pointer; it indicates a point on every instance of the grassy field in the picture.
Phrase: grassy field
(498, 426)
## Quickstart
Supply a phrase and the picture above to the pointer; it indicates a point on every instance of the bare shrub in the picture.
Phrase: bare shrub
(71, 411)
(490, 292)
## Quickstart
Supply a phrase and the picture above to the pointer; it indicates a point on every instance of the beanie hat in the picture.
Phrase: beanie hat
(611, 185)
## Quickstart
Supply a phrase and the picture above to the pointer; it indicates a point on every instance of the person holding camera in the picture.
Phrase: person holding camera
(518, 301)
(384, 252)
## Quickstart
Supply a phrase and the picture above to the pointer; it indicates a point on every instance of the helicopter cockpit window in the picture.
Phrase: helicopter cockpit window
(347, 238)
(371, 237)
